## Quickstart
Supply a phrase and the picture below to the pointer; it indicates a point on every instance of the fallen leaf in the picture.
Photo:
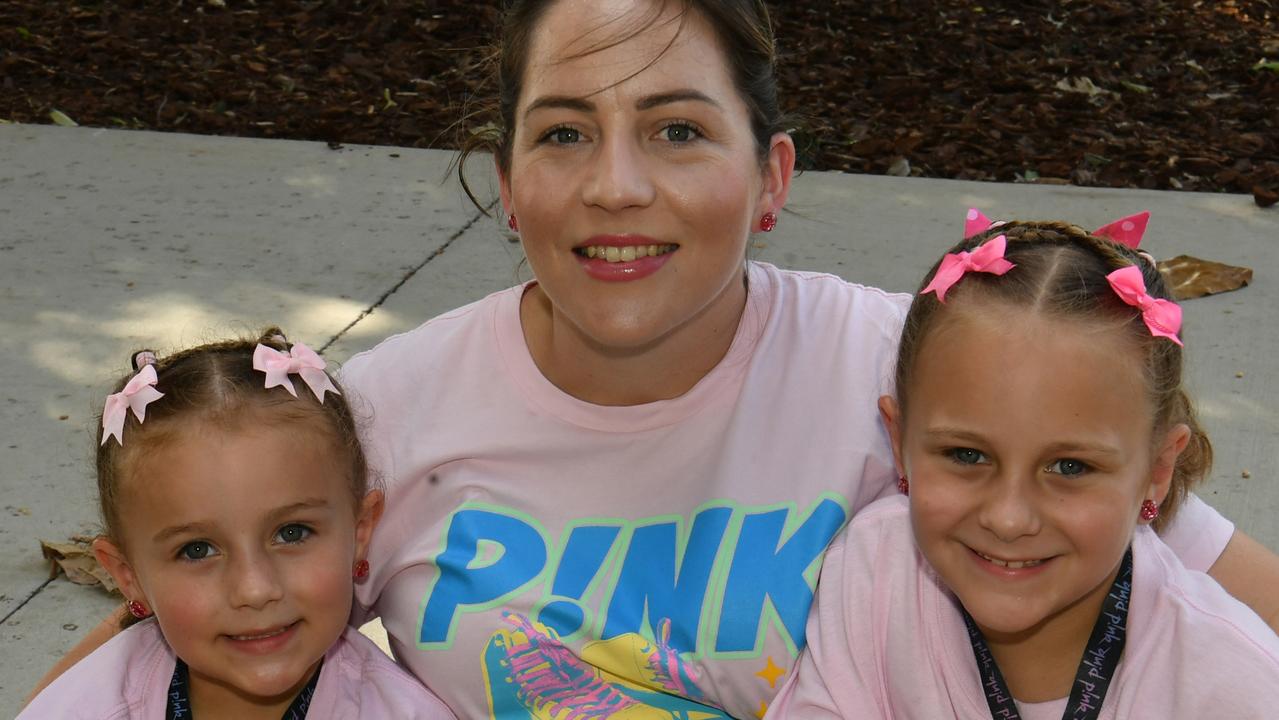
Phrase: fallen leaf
(59, 118)
(1264, 197)
(1190, 277)
(75, 559)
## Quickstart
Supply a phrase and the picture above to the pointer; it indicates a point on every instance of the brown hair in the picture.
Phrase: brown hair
(1061, 271)
(216, 383)
(742, 27)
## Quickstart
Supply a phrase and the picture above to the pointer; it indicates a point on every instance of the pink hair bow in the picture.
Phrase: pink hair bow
(299, 360)
(1163, 317)
(1127, 230)
(988, 258)
(976, 223)
(137, 394)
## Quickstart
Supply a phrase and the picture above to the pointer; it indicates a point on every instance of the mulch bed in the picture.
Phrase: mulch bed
(1166, 94)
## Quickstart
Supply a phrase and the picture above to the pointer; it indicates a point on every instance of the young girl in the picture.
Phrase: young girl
(237, 514)
(1040, 429)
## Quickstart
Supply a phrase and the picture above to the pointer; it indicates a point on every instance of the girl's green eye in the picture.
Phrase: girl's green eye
(198, 550)
(1068, 466)
(967, 456)
(293, 533)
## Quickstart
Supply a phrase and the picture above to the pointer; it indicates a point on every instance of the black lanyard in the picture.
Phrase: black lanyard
(1096, 669)
(179, 705)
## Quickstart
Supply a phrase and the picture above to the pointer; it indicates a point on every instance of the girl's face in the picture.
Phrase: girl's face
(243, 543)
(1029, 450)
(635, 195)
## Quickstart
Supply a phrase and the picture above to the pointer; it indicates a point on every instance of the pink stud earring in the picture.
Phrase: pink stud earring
(513, 224)
(1149, 510)
(138, 610)
(361, 570)
(768, 222)
(903, 485)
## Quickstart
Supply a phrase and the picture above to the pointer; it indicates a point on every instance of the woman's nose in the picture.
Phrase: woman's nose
(1009, 508)
(619, 176)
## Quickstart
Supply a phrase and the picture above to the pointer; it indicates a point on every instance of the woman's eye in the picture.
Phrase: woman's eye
(562, 136)
(197, 550)
(679, 133)
(293, 533)
(967, 456)
(1068, 466)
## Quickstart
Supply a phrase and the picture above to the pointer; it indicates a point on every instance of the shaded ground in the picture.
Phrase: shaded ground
(1169, 94)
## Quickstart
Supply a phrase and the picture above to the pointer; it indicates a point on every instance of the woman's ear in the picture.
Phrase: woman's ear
(1165, 462)
(112, 558)
(503, 187)
(779, 169)
(370, 514)
(891, 415)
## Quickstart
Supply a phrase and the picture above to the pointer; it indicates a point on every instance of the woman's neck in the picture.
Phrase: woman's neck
(1039, 663)
(664, 368)
(214, 700)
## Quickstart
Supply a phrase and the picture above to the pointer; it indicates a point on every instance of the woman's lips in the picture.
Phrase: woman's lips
(620, 258)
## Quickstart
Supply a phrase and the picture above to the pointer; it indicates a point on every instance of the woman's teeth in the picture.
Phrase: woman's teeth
(1011, 564)
(613, 254)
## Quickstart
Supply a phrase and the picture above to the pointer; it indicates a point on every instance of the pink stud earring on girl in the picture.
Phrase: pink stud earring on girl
(138, 610)
(513, 224)
(361, 570)
(768, 222)
(1149, 510)
(903, 485)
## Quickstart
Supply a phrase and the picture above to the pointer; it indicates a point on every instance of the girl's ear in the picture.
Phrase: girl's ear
(778, 171)
(112, 558)
(891, 414)
(1161, 470)
(369, 515)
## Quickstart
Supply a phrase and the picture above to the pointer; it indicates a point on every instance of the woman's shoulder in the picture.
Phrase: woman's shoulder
(359, 680)
(126, 677)
(829, 302)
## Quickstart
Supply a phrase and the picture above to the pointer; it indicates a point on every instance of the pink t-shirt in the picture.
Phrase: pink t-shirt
(128, 678)
(543, 557)
(886, 640)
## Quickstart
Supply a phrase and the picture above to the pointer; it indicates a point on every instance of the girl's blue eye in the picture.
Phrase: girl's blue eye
(197, 550)
(293, 533)
(1068, 466)
(966, 456)
(679, 132)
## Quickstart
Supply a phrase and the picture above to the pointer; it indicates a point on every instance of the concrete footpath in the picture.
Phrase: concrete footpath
(116, 240)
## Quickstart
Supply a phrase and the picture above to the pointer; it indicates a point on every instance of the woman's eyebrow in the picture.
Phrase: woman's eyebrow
(648, 102)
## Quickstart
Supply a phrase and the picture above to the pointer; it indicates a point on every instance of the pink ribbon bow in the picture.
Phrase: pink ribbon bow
(137, 394)
(1127, 230)
(300, 360)
(988, 258)
(1163, 317)
(976, 223)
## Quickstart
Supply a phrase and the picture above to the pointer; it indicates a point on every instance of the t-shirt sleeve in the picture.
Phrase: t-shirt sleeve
(830, 679)
(1198, 534)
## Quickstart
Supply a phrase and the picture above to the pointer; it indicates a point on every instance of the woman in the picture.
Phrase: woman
(609, 490)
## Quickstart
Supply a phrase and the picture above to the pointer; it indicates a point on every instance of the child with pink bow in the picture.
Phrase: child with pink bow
(1040, 430)
(238, 514)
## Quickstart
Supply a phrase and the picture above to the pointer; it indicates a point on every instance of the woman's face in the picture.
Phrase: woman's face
(636, 187)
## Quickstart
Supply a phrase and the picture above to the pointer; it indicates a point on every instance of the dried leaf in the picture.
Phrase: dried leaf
(60, 118)
(1190, 277)
(75, 559)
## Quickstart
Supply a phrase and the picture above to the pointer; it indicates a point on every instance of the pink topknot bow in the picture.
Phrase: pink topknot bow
(988, 258)
(299, 360)
(1127, 230)
(976, 223)
(1163, 317)
(137, 394)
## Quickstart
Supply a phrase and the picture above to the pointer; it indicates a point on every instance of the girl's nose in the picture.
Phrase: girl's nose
(254, 582)
(619, 176)
(1008, 510)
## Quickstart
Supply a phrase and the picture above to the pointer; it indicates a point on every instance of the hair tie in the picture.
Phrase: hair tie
(299, 360)
(1162, 317)
(137, 394)
(988, 258)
